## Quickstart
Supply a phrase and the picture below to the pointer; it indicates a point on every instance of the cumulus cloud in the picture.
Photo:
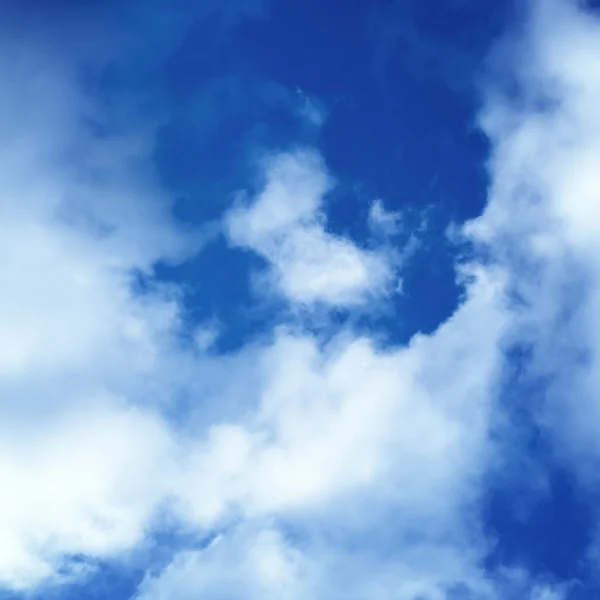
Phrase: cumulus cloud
(540, 232)
(82, 484)
(328, 435)
(542, 217)
(287, 226)
(265, 567)
(318, 465)
(81, 215)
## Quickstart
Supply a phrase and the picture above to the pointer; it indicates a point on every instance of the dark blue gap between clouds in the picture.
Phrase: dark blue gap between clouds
(399, 122)
(536, 514)
(399, 127)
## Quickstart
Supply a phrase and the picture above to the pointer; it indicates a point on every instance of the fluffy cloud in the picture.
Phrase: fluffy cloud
(83, 484)
(542, 218)
(328, 435)
(265, 567)
(540, 232)
(319, 465)
(286, 225)
(79, 217)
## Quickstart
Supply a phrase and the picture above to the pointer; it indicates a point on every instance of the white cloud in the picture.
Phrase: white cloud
(327, 435)
(347, 442)
(285, 224)
(332, 419)
(332, 467)
(322, 431)
(543, 218)
(269, 565)
(84, 484)
(541, 232)
(79, 349)
(265, 566)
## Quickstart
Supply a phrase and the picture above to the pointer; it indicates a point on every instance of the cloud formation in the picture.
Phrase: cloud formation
(326, 429)
(287, 226)
(542, 214)
(80, 217)
(310, 464)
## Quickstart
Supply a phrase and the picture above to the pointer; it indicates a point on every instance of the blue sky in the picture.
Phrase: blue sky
(300, 299)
